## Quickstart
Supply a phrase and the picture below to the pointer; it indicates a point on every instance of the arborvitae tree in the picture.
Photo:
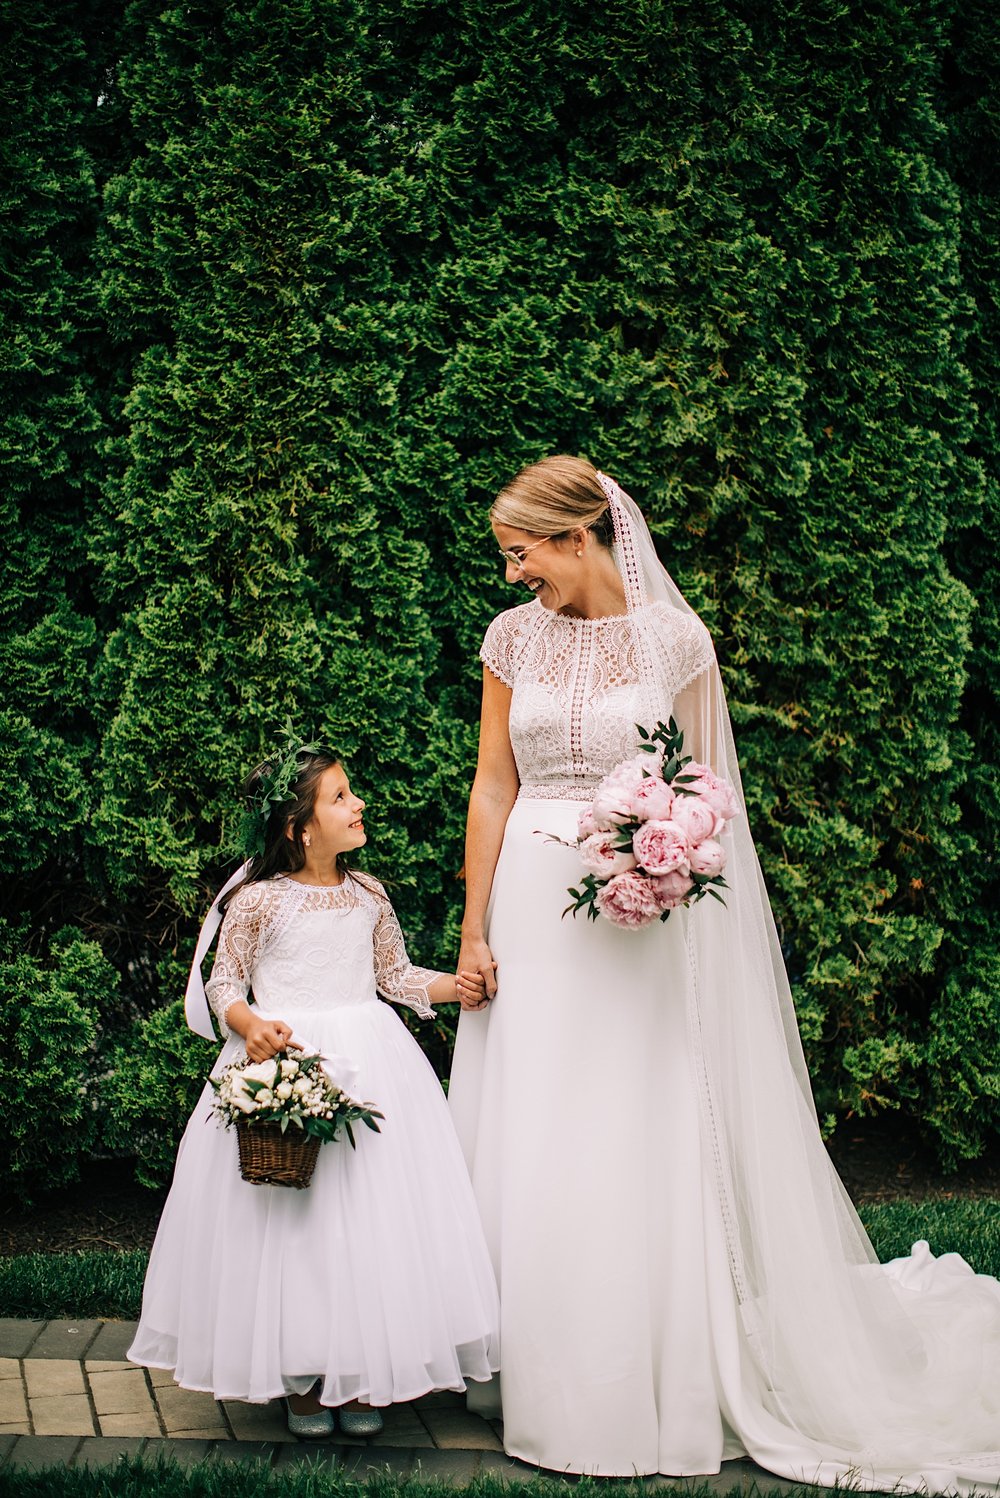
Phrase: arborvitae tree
(359, 263)
(48, 460)
(61, 137)
(963, 1077)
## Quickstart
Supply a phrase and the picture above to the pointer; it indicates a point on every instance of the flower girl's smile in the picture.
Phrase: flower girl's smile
(337, 823)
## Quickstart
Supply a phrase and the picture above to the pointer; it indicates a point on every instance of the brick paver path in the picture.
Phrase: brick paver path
(68, 1397)
(67, 1394)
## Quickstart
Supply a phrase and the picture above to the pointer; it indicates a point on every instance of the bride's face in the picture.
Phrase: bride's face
(547, 566)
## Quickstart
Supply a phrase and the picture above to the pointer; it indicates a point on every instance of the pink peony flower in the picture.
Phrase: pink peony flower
(708, 857)
(697, 817)
(612, 802)
(719, 794)
(661, 847)
(672, 889)
(653, 801)
(600, 856)
(629, 900)
(585, 824)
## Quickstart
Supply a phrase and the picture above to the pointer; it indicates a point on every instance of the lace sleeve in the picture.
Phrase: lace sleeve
(685, 648)
(502, 643)
(241, 940)
(396, 978)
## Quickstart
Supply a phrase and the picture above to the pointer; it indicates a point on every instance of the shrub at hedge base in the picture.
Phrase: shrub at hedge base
(342, 267)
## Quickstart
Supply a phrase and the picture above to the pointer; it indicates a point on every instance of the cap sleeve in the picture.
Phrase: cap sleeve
(502, 643)
(685, 647)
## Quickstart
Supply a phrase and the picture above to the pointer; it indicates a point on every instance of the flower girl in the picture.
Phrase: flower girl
(374, 1284)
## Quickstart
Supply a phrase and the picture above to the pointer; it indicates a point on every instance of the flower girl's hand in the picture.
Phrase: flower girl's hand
(266, 1037)
(470, 990)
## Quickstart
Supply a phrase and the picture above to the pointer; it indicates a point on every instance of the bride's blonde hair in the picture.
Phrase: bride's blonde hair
(554, 496)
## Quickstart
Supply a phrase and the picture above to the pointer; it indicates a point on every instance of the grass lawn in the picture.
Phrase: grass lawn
(110, 1283)
(137, 1479)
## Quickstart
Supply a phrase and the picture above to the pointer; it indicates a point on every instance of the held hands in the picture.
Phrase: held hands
(476, 982)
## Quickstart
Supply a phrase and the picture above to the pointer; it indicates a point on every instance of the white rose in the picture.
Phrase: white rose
(289, 1068)
(234, 1087)
(264, 1098)
(301, 1086)
(283, 1090)
(244, 1102)
(262, 1071)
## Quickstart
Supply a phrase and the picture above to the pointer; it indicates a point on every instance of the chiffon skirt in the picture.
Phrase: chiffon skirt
(574, 1098)
(375, 1279)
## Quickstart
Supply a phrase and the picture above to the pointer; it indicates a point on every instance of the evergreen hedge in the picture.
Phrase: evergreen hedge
(292, 287)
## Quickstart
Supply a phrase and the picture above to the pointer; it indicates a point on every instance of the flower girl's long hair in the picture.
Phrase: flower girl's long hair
(284, 851)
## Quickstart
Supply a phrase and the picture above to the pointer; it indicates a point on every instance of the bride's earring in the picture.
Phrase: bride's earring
(306, 839)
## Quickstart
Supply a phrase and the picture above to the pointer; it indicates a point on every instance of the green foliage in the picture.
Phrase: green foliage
(48, 1029)
(154, 1078)
(318, 277)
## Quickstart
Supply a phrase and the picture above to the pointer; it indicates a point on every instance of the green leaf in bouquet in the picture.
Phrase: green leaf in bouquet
(715, 895)
(643, 733)
(350, 1133)
(369, 1120)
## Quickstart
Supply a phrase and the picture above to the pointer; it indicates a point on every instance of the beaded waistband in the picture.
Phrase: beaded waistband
(558, 791)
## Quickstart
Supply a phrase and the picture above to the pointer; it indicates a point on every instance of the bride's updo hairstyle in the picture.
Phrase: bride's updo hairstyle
(554, 497)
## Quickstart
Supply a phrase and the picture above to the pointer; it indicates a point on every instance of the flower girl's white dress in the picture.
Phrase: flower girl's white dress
(661, 1312)
(376, 1278)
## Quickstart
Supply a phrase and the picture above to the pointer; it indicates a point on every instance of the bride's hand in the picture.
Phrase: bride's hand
(476, 957)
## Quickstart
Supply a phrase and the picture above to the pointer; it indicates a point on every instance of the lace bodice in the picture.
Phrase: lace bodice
(578, 690)
(302, 946)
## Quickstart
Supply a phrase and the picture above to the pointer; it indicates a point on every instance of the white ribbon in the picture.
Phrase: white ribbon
(196, 1010)
(341, 1070)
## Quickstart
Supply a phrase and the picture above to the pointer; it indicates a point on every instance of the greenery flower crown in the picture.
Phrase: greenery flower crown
(274, 787)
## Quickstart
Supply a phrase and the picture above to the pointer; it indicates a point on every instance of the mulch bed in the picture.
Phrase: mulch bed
(878, 1159)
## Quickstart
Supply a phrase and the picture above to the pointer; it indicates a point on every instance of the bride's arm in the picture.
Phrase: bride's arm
(494, 792)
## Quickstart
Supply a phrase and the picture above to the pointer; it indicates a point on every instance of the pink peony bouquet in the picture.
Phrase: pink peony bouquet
(649, 840)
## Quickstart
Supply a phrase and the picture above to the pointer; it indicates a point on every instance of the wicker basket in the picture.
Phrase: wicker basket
(270, 1158)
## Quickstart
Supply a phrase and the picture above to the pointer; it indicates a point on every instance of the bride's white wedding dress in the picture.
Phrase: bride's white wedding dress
(682, 1277)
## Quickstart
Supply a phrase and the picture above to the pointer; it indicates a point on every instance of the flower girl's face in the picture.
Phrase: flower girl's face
(336, 825)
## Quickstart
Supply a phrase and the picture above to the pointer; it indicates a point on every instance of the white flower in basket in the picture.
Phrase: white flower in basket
(296, 1099)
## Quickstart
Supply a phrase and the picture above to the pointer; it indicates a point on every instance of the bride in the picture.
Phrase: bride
(683, 1278)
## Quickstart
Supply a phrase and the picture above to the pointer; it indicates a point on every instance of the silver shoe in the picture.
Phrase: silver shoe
(311, 1427)
(360, 1422)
